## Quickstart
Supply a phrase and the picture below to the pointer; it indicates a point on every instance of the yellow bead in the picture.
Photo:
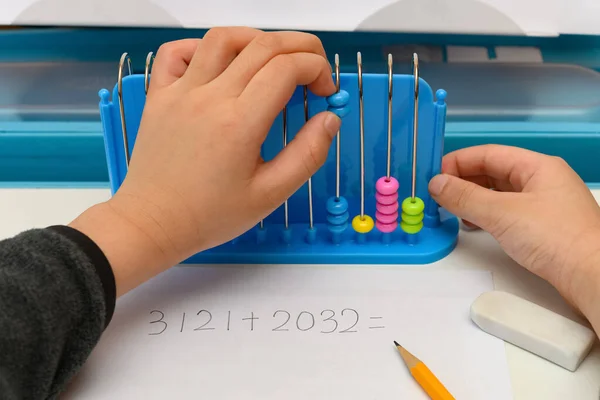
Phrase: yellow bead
(363, 224)
(411, 207)
(411, 229)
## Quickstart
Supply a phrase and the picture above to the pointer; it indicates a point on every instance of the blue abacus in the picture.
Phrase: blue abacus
(342, 231)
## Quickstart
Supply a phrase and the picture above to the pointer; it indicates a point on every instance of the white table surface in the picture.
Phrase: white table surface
(531, 377)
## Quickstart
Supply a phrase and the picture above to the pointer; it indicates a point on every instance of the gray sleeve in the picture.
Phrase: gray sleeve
(57, 295)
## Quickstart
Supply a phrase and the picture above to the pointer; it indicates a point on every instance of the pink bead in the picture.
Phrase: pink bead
(387, 186)
(387, 209)
(387, 218)
(386, 199)
(386, 228)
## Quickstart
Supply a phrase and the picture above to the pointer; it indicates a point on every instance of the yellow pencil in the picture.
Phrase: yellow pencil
(424, 377)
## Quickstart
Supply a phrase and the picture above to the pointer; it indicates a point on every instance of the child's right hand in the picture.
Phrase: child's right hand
(541, 213)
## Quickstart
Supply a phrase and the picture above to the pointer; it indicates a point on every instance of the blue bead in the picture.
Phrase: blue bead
(337, 206)
(339, 111)
(338, 228)
(338, 219)
(338, 99)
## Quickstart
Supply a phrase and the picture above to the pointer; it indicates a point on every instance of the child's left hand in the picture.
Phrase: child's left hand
(196, 178)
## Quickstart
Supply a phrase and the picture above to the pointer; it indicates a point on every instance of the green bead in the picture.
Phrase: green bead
(411, 207)
(412, 219)
(412, 215)
(411, 229)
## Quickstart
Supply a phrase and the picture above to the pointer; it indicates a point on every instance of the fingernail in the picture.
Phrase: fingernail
(332, 123)
(437, 183)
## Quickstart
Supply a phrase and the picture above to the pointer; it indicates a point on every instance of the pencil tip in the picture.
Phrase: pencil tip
(408, 358)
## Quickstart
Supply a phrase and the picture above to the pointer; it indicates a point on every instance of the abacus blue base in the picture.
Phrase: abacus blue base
(267, 247)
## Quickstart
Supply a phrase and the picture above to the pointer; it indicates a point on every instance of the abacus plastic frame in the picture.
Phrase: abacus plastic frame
(265, 246)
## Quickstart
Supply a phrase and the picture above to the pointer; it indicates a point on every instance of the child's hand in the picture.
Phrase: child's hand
(541, 213)
(196, 178)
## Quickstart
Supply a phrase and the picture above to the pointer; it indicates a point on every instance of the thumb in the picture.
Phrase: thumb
(299, 160)
(466, 200)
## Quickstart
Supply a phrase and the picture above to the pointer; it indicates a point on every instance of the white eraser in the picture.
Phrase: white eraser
(533, 328)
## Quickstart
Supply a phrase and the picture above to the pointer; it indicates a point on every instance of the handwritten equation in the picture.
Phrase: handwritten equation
(327, 321)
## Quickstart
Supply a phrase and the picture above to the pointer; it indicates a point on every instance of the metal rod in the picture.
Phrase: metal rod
(124, 57)
(415, 125)
(149, 60)
(389, 132)
(310, 196)
(338, 140)
(285, 204)
(362, 136)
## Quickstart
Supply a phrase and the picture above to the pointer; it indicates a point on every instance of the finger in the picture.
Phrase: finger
(216, 51)
(171, 62)
(502, 163)
(490, 183)
(469, 226)
(467, 200)
(487, 183)
(261, 50)
(271, 88)
(279, 178)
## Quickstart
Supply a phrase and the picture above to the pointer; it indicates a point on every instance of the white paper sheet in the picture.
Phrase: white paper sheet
(337, 342)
